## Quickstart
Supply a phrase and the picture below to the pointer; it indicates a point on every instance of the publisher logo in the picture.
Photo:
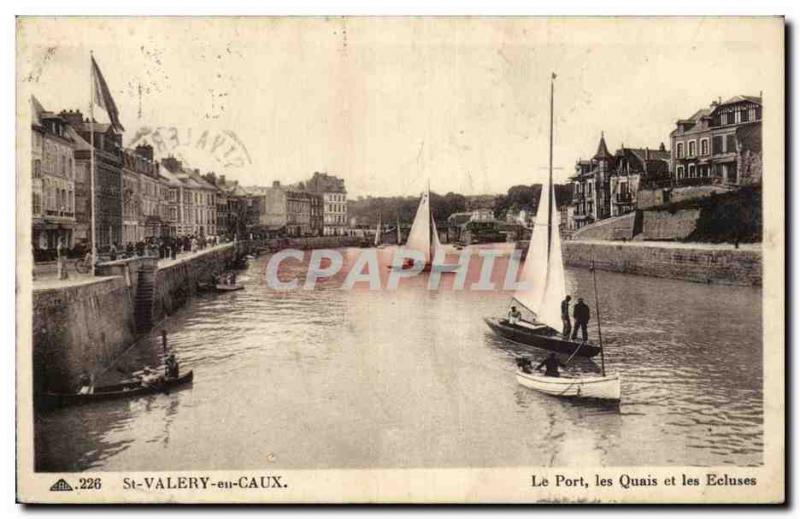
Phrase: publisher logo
(61, 486)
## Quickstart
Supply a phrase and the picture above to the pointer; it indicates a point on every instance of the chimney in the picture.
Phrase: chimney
(222, 179)
(662, 147)
(647, 153)
(276, 183)
(145, 150)
(73, 117)
(172, 164)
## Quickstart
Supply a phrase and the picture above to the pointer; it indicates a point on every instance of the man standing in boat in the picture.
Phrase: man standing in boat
(171, 367)
(565, 317)
(581, 314)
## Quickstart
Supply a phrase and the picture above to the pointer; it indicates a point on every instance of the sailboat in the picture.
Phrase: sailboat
(379, 234)
(399, 232)
(424, 237)
(543, 272)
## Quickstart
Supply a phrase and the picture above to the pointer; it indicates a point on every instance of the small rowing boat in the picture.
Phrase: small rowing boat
(544, 271)
(600, 388)
(114, 391)
(228, 288)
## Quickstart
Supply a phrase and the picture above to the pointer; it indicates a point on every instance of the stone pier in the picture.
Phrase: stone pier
(85, 324)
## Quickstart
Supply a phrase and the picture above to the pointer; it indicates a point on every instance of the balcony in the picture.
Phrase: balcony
(59, 214)
(623, 198)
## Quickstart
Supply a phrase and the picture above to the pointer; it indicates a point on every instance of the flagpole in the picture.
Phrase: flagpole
(91, 160)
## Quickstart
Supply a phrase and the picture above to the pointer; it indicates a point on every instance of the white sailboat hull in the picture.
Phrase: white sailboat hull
(600, 388)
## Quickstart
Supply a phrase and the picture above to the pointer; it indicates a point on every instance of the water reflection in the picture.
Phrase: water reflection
(413, 378)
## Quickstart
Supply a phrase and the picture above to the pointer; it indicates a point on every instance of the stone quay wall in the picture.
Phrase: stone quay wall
(703, 264)
(86, 326)
(176, 282)
(79, 328)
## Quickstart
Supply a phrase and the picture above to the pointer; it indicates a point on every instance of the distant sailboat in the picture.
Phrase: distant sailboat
(424, 236)
(543, 272)
(399, 232)
(379, 233)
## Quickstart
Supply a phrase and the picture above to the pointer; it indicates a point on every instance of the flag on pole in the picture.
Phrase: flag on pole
(102, 96)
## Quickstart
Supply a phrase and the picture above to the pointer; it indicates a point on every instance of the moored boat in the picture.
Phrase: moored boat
(600, 388)
(543, 272)
(114, 391)
(540, 337)
(223, 287)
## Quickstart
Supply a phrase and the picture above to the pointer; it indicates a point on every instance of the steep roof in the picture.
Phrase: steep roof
(740, 98)
(169, 176)
(37, 109)
(79, 142)
(602, 149)
(325, 183)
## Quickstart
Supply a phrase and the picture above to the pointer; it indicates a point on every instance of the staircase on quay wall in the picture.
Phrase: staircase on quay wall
(145, 293)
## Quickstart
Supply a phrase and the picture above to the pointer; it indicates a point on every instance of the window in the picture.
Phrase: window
(692, 148)
(730, 143)
(704, 147)
(37, 168)
(692, 171)
(680, 150)
(745, 115)
(716, 145)
(37, 204)
(679, 172)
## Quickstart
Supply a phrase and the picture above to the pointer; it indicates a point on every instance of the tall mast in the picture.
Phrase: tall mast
(597, 312)
(91, 160)
(430, 226)
(550, 174)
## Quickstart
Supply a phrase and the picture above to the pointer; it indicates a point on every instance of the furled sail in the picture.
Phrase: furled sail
(543, 271)
(419, 238)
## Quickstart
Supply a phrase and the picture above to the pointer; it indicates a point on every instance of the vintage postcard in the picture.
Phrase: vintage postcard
(400, 260)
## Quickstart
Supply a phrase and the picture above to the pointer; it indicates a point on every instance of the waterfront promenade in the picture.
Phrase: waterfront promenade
(46, 275)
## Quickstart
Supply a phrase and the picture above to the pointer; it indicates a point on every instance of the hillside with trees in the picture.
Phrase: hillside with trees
(366, 209)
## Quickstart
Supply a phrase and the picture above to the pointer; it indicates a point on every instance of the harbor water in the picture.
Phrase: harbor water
(412, 378)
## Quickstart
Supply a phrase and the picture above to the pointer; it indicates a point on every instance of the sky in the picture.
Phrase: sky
(392, 103)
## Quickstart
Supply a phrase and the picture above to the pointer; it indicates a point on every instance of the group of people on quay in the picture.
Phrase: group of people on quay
(164, 246)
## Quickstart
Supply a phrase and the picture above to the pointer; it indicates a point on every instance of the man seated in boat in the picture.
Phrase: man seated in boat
(524, 364)
(171, 367)
(514, 316)
(551, 365)
(150, 377)
(85, 386)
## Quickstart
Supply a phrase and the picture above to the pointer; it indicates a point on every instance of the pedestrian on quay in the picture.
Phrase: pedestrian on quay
(565, 317)
(581, 314)
(60, 260)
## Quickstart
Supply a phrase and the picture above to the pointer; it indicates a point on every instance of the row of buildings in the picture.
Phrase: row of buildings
(716, 146)
(138, 197)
